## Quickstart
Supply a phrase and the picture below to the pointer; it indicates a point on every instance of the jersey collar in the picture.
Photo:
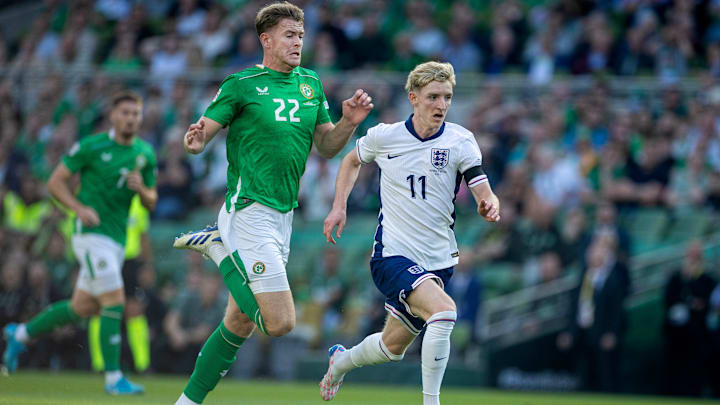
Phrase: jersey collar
(411, 129)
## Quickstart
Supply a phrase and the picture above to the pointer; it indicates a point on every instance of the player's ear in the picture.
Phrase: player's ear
(412, 97)
(265, 39)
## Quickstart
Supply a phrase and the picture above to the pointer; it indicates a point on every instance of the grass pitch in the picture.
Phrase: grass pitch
(45, 388)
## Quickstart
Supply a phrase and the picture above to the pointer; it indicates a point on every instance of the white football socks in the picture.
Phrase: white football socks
(435, 353)
(217, 252)
(183, 400)
(370, 351)
(111, 377)
(21, 334)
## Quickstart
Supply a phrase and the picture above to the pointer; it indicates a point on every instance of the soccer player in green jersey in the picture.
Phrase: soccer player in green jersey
(275, 113)
(113, 167)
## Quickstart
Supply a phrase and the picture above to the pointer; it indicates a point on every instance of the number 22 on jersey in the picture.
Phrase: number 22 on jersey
(281, 109)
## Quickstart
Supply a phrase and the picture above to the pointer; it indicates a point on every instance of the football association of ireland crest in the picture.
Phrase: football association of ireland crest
(307, 91)
(258, 268)
(439, 157)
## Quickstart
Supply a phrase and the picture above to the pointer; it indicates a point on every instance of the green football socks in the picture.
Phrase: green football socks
(235, 281)
(55, 315)
(110, 339)
(213, 362)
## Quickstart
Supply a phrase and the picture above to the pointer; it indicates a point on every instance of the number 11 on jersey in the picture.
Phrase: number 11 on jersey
(421, 180)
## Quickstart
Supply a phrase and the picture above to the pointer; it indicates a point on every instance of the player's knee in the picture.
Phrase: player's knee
(279, 327)
(396, 351)
(239, 325)
(85, 309)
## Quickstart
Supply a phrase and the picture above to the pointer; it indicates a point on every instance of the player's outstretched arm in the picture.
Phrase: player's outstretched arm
(329, 139)
(200, 134)
(346, 178)
(488, 203)
(59, 188)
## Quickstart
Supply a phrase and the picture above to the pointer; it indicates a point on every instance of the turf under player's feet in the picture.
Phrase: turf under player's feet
(199, 241)
(329, 386)
(13, 349)
(123, 386)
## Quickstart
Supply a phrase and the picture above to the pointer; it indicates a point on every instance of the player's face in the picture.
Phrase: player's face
(431, 103)
(285, 42)
(126, 117)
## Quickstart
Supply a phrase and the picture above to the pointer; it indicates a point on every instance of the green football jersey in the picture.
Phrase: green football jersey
(104, 166)
(271, 117)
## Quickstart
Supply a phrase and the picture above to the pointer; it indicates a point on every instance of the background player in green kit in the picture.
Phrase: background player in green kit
(113, 167)
(275, 113)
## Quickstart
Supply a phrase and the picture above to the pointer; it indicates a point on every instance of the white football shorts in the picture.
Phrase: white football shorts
(101, 260)
(259, 236)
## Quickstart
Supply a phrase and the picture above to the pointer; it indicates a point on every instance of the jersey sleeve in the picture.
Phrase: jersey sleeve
(471, 156)
(77, 157)
(367, 147)
(470, 164)
(323, 115)
(149, 171)
(227, 102)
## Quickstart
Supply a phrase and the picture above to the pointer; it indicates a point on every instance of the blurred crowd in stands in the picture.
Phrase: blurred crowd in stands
(589, 172)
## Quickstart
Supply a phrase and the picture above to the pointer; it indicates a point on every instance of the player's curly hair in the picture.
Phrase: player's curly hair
(270, 15)
(427, 72)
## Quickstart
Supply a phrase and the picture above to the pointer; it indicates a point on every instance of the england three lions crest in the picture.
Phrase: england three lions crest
(439, 157)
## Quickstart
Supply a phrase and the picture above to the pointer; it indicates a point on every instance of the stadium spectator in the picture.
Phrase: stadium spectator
(215, 37)
(686, 304)
(598, 320)
(189, 322)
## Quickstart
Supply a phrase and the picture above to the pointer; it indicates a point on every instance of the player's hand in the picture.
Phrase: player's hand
(488, 211)
(356, 108)
(88, 216)
(336, 217)
(135, 181)
(194, 140)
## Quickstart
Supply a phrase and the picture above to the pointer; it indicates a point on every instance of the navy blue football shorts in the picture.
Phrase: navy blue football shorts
(396, 277)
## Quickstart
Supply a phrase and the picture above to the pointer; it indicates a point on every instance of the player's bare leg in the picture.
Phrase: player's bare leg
(278, 311)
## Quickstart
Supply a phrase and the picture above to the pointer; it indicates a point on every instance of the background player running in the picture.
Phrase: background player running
(113, 167)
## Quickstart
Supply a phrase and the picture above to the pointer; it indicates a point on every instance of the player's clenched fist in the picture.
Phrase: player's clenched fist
(488, 211)
(88, 216)
(335, 218)
(194, 140)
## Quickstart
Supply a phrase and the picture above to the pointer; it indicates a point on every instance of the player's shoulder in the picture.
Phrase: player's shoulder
(145, 146)
(383, 128)
(305, 72)
(458, 130)
(97, 140)
(247, 74)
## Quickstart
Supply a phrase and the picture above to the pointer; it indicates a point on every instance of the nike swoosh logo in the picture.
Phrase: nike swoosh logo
(393, 157)
(436, 359)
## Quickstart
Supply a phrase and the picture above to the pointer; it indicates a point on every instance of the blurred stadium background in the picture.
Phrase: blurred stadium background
(599, 123)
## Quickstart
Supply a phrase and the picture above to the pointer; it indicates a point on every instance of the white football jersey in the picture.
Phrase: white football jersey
(419, 179)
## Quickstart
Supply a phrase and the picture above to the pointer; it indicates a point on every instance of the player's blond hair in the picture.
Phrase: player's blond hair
(270, 15)
(427, 72)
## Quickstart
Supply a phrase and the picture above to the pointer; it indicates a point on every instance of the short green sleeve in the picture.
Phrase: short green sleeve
(149, 172)
(226, 103)
(324, 110)
(77, 157)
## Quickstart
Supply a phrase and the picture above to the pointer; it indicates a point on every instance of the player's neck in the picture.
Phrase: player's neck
(276, 64)
(121, 138)
(422, 129)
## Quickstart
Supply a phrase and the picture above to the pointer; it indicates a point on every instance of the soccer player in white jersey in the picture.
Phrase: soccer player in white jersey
(422, 162)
